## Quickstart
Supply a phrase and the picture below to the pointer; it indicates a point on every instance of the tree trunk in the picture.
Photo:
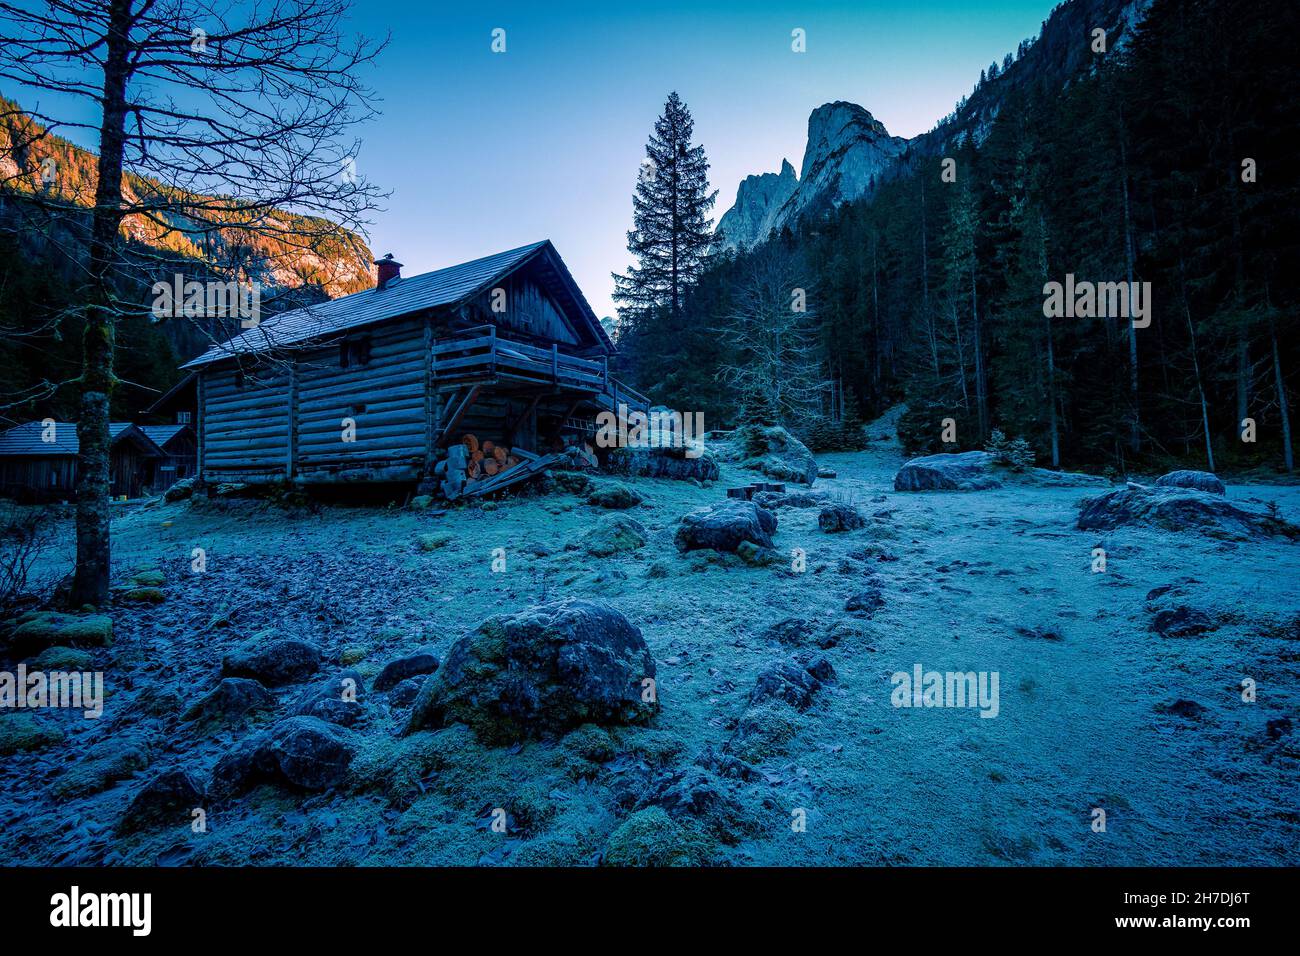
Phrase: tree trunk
(1051, 351)
(90, 583)
(1200, 387)
(1243, 377)
(1280, 384)
(1135, 420)
(981, 392)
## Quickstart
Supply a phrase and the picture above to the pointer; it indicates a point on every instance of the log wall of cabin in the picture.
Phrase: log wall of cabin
(385, 397)
(244, 422)
(287, 420)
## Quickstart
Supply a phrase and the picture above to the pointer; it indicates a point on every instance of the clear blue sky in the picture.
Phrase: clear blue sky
(486, 151)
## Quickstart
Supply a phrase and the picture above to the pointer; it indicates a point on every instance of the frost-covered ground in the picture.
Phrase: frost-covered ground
(983, 581)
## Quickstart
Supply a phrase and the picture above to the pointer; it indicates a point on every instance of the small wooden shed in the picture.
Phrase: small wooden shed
(376, 385)
(180, 453)
(38, 460)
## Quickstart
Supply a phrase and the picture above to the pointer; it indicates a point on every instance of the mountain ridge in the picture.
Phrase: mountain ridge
(849, 151)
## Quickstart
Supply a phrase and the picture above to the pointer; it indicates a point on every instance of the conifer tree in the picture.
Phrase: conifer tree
(671, 228)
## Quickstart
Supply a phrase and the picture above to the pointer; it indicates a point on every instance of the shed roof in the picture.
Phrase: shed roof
(162, 434)
(442, 287)
(27, 439)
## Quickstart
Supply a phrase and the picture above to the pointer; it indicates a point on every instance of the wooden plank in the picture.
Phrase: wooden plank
(291, 439)
(450, 426)
(200, 423)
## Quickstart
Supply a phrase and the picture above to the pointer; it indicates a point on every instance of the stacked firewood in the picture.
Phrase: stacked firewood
(486, 459)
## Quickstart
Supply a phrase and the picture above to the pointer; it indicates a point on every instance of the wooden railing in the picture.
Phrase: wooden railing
(482, 351)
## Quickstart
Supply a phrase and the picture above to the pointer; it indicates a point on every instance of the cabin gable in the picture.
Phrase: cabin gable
(520, 304)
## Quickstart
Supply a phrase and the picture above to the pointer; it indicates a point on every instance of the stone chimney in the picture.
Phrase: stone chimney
(390, 270)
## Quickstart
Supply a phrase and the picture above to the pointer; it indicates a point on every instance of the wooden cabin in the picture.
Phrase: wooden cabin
(179, 445)
(38, 461)
(378, 385)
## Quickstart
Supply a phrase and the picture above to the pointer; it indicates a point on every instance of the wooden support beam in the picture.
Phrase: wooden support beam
(457, 415)
(513, 426)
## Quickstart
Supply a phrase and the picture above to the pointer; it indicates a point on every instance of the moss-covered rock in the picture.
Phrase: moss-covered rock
(103, 766)
(755, 556)
(574, 482)
(22, 732)
(149, 578)
(615, 496)
(650, 837)
(613, 535)
(144, 596)
(433, 541)
(540, 671)
(764, 731)
(41, 629)
(62, 659)
(353, 653)
(776, 453)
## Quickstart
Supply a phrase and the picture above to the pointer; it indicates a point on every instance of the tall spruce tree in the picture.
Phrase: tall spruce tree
(671, 228)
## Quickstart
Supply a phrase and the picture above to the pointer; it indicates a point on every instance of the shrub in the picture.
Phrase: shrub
(1016, 453)
(24, 534)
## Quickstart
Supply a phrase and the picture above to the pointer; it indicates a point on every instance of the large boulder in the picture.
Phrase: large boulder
(230, 700)
(672, 463)
(540, 672)
(840, 517)
(725, 525)
(776, 453)
(774, 500)
(1178, 509)
(396, 671)
(613, 535)
(272, 660)
(305, 753)
(967, 471)
(1196, 480)
(794, 682)
(168, 799)
(181, 490)
(335, 700)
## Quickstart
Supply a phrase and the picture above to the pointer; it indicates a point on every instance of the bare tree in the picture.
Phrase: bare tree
(233, 111)
(773, 337)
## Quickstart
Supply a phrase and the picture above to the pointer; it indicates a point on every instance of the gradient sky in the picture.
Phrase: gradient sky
(489, 151)
(485, 152)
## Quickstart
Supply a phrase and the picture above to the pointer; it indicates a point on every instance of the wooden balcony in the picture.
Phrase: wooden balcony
(482, 356)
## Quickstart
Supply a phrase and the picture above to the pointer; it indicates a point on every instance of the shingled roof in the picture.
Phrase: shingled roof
(162, 434)
(443, 287)
(26, 439)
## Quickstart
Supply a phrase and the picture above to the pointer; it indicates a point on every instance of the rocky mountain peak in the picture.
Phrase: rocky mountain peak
(758, 199)
(847, 149)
